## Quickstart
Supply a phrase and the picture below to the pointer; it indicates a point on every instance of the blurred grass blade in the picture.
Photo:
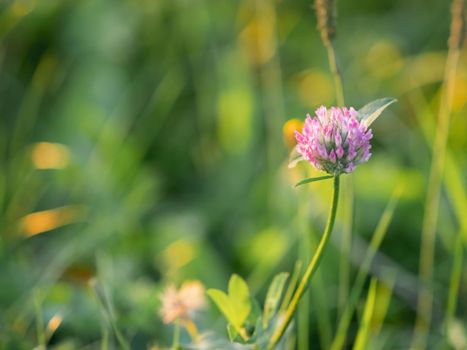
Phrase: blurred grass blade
(383, 299)
(378, 236)
(292, 284)
(432, 202)
(453, 181)
(273, 297)
(313, 179)
(40, 330)
(53, 325)
(454, 283)
(364, 329)
(104, 303)
(457, 193)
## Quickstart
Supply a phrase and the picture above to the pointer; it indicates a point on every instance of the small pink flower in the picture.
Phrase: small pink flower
(334, 140)
(182, 303)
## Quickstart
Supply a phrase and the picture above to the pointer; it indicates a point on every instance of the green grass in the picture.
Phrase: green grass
(175, 168)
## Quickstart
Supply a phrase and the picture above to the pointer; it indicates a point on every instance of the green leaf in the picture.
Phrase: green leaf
(223, 303)
(236, 305)
(372, 110)
(313, 179)
(239, 295)
(273, 297)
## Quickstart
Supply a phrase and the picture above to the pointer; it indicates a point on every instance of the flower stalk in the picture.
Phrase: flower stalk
(311, 269)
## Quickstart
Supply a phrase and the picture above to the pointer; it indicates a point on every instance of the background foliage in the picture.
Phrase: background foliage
(141, 143)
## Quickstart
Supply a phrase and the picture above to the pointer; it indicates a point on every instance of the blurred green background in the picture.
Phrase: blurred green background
(141, 143)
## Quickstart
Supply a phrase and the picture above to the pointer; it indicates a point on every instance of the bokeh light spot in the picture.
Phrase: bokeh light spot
(47, 220)
(315, 88)
(46, 155)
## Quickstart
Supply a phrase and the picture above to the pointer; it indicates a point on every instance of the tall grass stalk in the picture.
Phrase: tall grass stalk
(430, 219)
(311, 269)
(326, 14)
(453, 181)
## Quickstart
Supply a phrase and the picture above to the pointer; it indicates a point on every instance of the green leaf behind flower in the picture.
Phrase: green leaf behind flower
(373, 110)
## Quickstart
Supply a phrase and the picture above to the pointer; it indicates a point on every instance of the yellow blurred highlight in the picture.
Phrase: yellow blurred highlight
(275, 241)
(460, 94)
(178, 254)
(43, 221)
(257, 39)
(424, 69)
(288, 131)
(235, 110)
(457, 335)
(384, 59)
(46, 155)
(53, 324)
(22, 8)
(315, 88)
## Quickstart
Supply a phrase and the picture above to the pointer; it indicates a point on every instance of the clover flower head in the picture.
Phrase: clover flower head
(334, 140)
(182, 303)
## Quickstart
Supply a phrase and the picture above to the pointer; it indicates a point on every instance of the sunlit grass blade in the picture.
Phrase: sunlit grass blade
(383, 299)
(452, 180)
(313, 179)
(378, 236)
(361, 340)
(430, 217)
(456, 275)
(291, 287)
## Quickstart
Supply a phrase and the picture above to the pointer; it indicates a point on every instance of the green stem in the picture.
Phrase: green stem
(176, 338)
(311, 269)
